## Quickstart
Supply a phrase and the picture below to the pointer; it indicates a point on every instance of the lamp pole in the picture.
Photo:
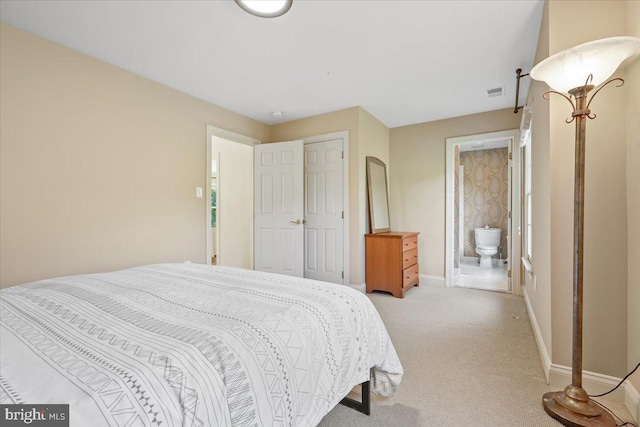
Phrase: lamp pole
(582, 112)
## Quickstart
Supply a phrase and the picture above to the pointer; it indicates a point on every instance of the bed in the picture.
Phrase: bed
(191, 345)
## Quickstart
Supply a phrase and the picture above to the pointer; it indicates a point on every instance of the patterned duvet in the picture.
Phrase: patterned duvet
(190, 345)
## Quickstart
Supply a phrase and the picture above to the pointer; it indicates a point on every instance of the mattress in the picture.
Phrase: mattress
(191, 345)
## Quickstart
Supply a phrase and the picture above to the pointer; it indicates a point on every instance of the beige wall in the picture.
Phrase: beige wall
(98, 165)
(417, 178)
(633, 195)
(374, 141)
(367, 137)
(605, 271)
(538, 285)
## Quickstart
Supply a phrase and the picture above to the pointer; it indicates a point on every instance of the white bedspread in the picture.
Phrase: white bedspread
(192, 345)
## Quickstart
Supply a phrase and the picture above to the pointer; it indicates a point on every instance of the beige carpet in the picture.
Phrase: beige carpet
(469, 358)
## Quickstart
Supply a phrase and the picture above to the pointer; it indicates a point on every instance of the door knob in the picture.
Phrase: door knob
(296, 222)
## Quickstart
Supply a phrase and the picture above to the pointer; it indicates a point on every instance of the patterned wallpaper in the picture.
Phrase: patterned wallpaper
(485, 185)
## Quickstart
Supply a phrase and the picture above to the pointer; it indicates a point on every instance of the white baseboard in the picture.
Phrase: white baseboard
(542, 349)
(592, 382)
(632, 400)
(559, 376)
(361, 288)
(429, 280)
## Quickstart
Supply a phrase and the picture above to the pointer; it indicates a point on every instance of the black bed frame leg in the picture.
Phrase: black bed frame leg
(365, 405)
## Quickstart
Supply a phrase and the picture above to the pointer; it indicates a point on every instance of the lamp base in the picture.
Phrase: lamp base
(572, 407)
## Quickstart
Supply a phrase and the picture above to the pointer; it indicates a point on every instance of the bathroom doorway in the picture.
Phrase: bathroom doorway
(481, 196)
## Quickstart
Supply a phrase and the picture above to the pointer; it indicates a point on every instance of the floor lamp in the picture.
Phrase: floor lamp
(573, 73)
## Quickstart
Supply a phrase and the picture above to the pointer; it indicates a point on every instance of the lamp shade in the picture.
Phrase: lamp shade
(570, 68)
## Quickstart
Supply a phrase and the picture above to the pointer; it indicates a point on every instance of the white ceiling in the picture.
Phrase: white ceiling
(403, 61)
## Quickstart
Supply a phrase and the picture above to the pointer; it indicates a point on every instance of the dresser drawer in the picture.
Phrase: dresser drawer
(410, 276)
(409, 258)
(409, 243)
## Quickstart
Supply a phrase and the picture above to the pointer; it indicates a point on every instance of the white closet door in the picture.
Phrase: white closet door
(324, 242)
(279, 229)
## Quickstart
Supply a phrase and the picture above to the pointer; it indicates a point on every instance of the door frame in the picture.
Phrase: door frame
(231, 136)
(344, 135)
(514, 233)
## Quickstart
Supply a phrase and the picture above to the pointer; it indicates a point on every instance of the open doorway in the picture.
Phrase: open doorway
(481, 225)
(230, 189)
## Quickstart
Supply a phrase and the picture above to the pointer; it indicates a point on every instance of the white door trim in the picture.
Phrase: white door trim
(514, 134)
(460, 213)
(517, 282)
(344, 135)
(231, 136)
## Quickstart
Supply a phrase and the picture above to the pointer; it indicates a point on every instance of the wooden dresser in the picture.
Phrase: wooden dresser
(392, 262)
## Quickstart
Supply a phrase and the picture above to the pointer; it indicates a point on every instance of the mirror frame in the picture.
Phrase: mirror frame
(372, 220)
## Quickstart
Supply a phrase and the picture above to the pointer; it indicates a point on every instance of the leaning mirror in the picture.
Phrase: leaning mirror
(378, 196)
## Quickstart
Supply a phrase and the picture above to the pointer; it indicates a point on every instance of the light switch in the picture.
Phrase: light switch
(199, 192)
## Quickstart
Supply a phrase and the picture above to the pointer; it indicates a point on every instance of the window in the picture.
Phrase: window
(527, 201)
(527, 211)
(214, 202)
(214, 193)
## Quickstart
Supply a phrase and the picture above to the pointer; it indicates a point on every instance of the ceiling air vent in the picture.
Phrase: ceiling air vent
(497, 91)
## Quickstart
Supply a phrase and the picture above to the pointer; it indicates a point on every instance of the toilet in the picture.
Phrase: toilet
(487, 242)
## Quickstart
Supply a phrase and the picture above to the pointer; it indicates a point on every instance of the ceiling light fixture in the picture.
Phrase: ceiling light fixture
(265, 8)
